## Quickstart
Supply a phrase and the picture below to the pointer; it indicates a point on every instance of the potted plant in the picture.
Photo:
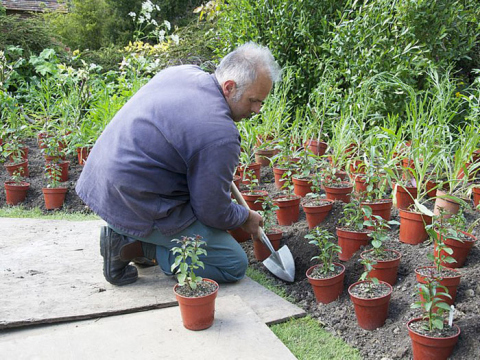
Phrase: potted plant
(15, 154)
(16, 189)
(371, 298)
(452, 232)
(432, 337)
(449, 278)
(195, 295)
(253, 196)
(315, 206)
(385, 261)
(305, 169)
(326, 277)
(335, 187)
(288, 205)
(274, 234)
(283, 162)
(54, 193)
(351, 232)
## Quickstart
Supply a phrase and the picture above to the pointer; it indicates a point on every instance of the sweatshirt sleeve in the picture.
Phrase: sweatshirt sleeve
(209, 177)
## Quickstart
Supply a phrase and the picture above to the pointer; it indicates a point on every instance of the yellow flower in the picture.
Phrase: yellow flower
(458, 94)
(76, 52)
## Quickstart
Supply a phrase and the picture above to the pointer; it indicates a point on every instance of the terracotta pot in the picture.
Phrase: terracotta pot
(357, 167)
(385, 270)
(16, 192)
(460, 250)
(289, 209)
(412, 227)
(197, 312)
(431, 348)
(255, 167)
(405, 196)
(278, 174)
(64, 168)
(451, 283)
(408, 163)
(360, 184)
(382, 208)
(339, 193)
(237, 179)
(430, 185)
(301, 187)
(82, 154)
(316, 147)
(12, 168)
(476, 196)
(450, 206)
(329, 289)
(255, 200)
(461, 173)
(260, 251)
(239, 235)
(350, 242)
(316, 214)
(371, 313)
(54, 197)
(263, 156)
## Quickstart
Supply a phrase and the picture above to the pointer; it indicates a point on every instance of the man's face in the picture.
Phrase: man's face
(252, 98)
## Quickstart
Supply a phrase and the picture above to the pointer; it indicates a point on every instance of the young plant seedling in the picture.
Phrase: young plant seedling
(53, 173)
(353, 216)
(368, 267)
(190, 248)
(322, 238)
(379, 234)
(268, 214)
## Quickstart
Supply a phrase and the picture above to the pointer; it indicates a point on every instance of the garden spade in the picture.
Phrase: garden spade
(280, 263)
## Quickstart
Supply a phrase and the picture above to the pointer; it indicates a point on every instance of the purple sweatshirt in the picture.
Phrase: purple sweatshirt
(167, 158)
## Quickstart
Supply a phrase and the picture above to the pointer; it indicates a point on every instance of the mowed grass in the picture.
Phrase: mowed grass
(305, 337)
(20, 212)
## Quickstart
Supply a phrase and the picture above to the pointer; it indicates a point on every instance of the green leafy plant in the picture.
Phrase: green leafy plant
(431, 303)
(368, 266)
(353, 216)
(322, 239)
(53, 173)
(268, 214)
(187, 260)
(18, 176)
(379, 233)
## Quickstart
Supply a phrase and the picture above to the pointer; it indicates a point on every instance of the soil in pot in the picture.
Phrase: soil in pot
(326, 287)
(434, 345)
(371, 303)
(386, 268)
(198, 307)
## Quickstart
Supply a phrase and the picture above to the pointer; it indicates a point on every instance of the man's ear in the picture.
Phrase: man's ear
(229, 87)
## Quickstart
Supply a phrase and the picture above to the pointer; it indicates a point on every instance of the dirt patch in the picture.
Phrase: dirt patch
(388, 342)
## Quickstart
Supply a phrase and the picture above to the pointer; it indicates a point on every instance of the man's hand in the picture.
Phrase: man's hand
(253, 223)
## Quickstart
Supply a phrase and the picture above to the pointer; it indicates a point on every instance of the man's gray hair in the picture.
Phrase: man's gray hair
(243, 65)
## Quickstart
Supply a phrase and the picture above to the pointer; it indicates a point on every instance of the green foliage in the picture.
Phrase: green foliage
(353, 216)
(187, 260)
(379, 234)
(368, 266)
(322, 239)
(430, 302)
(268, 214)
(53, 174)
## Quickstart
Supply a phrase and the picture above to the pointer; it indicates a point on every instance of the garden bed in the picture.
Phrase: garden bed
(390, 341)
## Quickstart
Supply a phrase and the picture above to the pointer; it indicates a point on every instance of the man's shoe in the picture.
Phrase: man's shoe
(145, 262)
(115, 269)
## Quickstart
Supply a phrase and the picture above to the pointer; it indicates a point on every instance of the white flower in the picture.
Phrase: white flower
(141, 20)
(167, 24)
(161, 35)
(154, 22)
(147, 6)
(132, 14)
(175, 39)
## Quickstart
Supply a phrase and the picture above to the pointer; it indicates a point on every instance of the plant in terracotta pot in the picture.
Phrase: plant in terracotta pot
(16, 188)
(288, 204)
(253, 196)
(371, 298)
(351, 233)
(274, 234)
(326, 277)
(335, 187)
(432, 337)
(386, 261)
(14, 151)
(54, 193)
(453, 233)
(305, 168)
(195, 295)
(315, 206)
(248, 167)
(283, 162)
(450, 278)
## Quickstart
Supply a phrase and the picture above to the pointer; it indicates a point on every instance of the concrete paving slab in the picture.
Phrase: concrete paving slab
(51, 271)
(237, 333)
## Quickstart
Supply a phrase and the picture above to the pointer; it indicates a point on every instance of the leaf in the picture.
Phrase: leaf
(423, 209)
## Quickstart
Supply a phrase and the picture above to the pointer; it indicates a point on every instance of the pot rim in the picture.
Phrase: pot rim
(196, 297)
(431, 337)
(459, 274)
(310, 269)
(364, 281)
(384, 261)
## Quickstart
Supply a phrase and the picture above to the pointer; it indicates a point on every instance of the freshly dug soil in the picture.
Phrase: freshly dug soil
(388, 342)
